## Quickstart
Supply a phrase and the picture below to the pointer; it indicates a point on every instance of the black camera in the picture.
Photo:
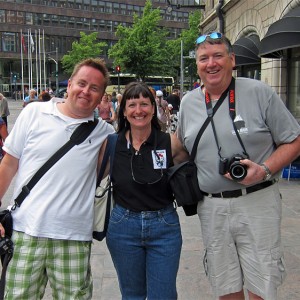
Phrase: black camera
(6, 246)
(236, 170)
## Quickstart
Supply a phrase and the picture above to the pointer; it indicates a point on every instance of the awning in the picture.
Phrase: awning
(64, 82)
(282, 34)
(246, 50)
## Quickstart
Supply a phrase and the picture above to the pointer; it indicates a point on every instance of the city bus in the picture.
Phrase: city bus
(157, 82)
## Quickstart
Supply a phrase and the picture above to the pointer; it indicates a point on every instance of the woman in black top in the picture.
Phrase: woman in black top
(144, 236)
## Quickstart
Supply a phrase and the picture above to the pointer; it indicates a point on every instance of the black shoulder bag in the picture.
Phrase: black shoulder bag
(183, 177)
(6, 245)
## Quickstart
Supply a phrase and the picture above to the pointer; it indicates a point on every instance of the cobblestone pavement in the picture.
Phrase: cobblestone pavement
(192, 283)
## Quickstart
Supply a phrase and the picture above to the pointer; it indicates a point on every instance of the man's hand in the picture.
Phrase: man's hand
(255, 173)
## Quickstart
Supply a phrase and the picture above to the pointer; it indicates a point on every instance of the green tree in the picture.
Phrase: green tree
(141, 48)
(188, 37)
(86, 47)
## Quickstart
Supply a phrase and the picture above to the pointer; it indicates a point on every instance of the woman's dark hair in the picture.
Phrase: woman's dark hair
(133, 91)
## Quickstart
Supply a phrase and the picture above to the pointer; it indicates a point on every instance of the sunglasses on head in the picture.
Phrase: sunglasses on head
(213, 36)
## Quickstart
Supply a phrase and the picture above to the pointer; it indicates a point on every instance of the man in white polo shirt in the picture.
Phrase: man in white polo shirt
(53, 227)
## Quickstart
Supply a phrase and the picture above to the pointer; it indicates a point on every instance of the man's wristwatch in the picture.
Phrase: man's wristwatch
(268, 173)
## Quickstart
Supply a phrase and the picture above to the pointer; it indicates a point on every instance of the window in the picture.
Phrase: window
(8, 42)
(78, 4)
(115, 25)
(55, 20)
(63, 21)
(109, 25)
(116, 8)
(2, 16)
(101, 6)
(294, 82)
(94, 5)
(86, 4)
(70, 3)
(71, 22)
(86, 23)
(108, 7)
(37, 19)
(123, 9)
(28, 18)
(20, 17)
(102, 25)
(79, 24)
(136, 9)
(46, 20)
(11, 16)
(130, 9)
(94, 25)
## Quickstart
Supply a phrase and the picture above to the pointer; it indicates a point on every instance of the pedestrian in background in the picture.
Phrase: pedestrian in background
(52, 229)
(4, 110)
(174, 100)
(144, 235)
(3, 136)
(106, 110)
(31, 97)
(163, 113)
(241, 154)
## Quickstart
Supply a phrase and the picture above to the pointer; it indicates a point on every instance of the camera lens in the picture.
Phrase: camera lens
(238, 171)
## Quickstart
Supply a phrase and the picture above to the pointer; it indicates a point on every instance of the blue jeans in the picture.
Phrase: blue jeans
(145, 248)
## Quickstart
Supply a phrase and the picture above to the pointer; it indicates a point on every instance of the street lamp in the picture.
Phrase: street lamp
(56, 66)
(178, 6)
(192, 55)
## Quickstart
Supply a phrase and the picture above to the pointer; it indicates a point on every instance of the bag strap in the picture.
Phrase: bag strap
(6, 259)
(78, 136)
(207, 121)
(109, 154)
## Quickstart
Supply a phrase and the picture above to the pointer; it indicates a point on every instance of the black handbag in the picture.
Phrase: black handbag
(6, 221)
(183, 177)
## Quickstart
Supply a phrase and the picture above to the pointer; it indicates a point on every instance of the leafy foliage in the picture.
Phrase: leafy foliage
(141, 48)
(188, 37)
(86, 47)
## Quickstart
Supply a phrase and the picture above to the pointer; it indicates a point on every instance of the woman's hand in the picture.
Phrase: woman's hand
(2, 230)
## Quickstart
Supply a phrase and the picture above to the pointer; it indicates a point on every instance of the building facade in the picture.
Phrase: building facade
(266, 39)
(31, 30)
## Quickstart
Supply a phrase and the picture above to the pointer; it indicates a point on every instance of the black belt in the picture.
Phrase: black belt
(238, 193)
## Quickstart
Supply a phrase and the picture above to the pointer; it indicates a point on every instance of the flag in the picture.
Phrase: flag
(31, 43)
(23, 43)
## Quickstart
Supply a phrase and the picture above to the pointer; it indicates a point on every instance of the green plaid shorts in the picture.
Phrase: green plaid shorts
(65, 263)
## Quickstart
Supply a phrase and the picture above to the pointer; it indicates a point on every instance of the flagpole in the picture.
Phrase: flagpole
(22, 66)
(44, 59)
(28, 58)
(31, 81)
(37, 64)
(40, 61)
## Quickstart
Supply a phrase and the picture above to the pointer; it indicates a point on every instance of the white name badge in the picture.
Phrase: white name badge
(159, 159)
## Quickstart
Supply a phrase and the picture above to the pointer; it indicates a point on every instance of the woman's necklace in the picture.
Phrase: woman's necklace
(137, 146)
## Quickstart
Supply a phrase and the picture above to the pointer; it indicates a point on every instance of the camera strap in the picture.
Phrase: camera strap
(232, 113)
(205, 124)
